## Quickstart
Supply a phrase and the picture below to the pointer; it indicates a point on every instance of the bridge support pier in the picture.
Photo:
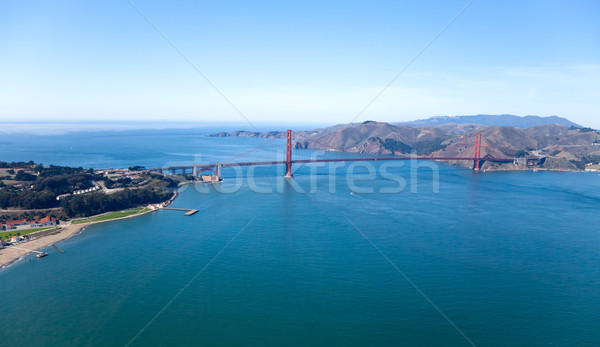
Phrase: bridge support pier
(219, 171)
(288, 156)
(194, 170)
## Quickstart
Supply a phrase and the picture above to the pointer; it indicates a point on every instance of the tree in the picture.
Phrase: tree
(95, 203)
(24, 176)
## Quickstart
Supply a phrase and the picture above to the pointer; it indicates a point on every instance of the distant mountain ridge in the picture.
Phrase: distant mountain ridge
(504, 120)
(558, 147)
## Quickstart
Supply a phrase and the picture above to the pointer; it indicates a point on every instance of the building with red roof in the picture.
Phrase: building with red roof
(14, 223)
(47, 222)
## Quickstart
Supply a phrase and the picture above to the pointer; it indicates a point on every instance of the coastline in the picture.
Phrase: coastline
(10, 255)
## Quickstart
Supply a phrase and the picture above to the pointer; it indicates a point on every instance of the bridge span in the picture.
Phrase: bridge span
(216, 167)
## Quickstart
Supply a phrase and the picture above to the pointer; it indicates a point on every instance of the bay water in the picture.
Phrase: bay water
(503, 258)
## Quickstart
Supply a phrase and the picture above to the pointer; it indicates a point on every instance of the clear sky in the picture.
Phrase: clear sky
(313, 61)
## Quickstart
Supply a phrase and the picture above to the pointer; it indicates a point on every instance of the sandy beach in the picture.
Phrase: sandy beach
(9, 254)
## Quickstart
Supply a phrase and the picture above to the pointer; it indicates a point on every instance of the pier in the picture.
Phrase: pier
(188, 212)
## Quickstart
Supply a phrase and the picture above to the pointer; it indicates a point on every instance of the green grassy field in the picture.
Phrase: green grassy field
(111, 215)
(8, 234)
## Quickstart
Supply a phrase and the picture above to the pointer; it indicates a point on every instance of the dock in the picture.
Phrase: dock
(188, 212)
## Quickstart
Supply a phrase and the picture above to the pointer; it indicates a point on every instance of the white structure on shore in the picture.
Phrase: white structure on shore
(24, 223)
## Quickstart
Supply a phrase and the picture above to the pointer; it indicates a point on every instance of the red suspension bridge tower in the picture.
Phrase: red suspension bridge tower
(288, 155)
(477, 152)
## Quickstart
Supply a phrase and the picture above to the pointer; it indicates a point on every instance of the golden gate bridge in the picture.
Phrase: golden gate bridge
(215, 168)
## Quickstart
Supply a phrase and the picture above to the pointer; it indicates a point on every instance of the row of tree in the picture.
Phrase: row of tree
(94, 203)
(18, 164)
(27, 199)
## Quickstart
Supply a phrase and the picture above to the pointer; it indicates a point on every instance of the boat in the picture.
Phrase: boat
(41, 254)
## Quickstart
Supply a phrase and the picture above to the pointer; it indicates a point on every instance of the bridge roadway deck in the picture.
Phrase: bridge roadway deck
(307, 161)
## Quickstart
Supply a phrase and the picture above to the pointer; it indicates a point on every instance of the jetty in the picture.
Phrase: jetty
(58, 249)
(188, 212)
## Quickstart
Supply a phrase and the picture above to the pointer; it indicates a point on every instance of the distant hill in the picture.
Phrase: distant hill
(566, 148)
(374, 137)
(561, 147)
(504, 120)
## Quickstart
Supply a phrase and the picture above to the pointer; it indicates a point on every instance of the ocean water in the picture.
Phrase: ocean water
(510, 258)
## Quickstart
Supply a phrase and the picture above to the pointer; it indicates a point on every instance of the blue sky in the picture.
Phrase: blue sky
(318, 61)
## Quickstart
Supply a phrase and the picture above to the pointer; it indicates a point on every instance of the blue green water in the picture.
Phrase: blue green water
(508, 258)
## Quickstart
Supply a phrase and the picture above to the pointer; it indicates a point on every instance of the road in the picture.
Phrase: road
(34, 210)
(107, 190)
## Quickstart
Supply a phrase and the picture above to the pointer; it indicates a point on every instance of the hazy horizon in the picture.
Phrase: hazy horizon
(63, 127)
